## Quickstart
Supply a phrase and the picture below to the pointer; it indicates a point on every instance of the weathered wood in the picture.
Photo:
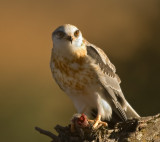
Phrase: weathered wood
(144, 129)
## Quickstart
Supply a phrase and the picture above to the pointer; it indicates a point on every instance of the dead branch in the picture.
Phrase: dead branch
(145, 129)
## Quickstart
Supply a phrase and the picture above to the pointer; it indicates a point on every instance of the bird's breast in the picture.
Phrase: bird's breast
(73, 76)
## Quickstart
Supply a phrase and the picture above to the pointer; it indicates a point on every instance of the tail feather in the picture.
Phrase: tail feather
(130, 112)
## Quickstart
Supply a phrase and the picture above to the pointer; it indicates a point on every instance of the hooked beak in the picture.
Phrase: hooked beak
(69, 38)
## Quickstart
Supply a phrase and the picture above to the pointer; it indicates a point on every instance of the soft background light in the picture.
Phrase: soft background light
(128, 31)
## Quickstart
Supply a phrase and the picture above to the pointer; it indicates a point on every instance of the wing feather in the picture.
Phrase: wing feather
(108, 78)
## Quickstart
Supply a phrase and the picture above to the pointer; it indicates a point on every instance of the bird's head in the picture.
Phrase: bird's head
(67, 38)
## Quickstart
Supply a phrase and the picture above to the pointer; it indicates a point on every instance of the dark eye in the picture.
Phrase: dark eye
(76, 33)
(60, 34)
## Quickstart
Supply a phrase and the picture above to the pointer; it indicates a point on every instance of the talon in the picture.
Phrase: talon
(72, 128)
(98, 122)
(91, 121)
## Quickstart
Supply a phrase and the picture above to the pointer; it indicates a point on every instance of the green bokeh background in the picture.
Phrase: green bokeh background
(128, 31)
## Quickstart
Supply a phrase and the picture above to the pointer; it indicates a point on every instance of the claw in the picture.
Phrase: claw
(97, 122)
(72, 128)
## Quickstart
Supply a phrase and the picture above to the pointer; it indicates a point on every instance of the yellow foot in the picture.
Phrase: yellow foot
(72, 128)
(97, 122)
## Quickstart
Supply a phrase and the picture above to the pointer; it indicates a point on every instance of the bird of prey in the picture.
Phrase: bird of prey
(85, 73)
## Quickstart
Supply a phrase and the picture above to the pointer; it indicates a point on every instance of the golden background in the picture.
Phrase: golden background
(128, 31)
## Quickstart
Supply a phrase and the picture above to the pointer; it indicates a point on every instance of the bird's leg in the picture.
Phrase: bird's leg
(72, 127)
(98, 121)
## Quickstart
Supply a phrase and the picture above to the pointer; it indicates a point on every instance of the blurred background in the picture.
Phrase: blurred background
(128, 31)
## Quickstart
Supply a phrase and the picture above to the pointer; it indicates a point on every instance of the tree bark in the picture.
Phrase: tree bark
(144, 129)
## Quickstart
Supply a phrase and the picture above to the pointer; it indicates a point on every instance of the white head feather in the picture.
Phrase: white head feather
(67, 38)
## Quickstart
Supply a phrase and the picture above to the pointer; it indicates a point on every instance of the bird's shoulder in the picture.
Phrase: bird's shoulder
(101, 59)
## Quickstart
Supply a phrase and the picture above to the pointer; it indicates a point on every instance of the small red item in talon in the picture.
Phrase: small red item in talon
(82, 121)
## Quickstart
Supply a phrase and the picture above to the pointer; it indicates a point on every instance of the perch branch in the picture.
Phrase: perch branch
(134, 130)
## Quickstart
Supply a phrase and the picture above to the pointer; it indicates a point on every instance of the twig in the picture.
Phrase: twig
(47, 133)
